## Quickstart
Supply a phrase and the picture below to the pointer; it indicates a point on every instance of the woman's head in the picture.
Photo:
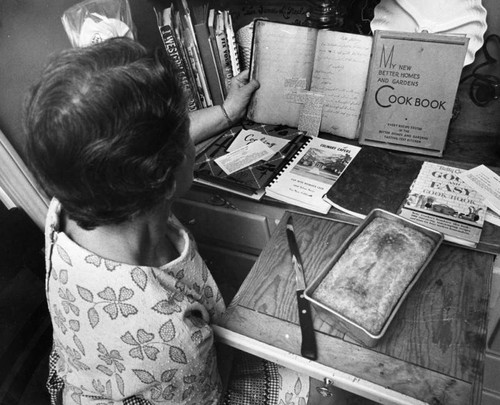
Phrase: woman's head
(107, 128)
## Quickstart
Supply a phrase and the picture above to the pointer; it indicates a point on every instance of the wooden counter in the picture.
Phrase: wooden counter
(432, 353)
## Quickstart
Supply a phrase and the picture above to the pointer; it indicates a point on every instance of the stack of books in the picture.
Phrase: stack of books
(203, 45)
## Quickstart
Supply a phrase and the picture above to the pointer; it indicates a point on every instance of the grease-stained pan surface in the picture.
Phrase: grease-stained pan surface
(352, 328)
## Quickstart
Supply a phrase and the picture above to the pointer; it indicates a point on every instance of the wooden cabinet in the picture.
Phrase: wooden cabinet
(491, 382)
(231, 232)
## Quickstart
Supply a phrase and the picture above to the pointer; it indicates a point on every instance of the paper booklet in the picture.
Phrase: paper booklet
(249, 181)
(305, 180)
(487, 183)
(376, 178)
(394, 90)
(440, 200)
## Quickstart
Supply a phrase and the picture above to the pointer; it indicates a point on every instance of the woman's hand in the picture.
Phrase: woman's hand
(239, 95)
(207, 122)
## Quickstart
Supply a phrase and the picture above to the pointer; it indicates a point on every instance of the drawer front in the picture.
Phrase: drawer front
(494, 313)
(491, 379)
(490, 398)
(223, 226)
(228, 267)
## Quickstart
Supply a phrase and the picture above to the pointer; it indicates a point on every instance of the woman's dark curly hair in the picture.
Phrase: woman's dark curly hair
(107, 126)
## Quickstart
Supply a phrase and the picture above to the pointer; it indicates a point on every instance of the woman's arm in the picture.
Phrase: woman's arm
(207, 122)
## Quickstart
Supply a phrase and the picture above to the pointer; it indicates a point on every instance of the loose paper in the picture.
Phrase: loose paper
(244, 156)
(311, 113)
(247, 136)
(311, 110)
(485, 182)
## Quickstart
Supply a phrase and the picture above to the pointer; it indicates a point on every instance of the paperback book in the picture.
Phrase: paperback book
(394, 90)
(440, 200)
(308, 176)
(376, 178)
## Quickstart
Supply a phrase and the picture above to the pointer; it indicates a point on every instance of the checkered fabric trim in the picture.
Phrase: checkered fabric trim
(55, 385)
(136, 401)
(254, 381)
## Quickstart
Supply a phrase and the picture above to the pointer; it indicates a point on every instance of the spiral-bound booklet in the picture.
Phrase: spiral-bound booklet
(311, 172)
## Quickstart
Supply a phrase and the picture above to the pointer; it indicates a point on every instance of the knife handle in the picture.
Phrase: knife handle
(308, 347)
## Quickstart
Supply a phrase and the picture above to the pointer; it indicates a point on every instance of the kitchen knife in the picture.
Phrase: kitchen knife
(308, 346)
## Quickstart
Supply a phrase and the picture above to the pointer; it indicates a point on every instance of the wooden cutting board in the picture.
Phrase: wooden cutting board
(434, 348)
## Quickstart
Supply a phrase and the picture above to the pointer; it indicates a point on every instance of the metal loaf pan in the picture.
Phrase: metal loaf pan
(353, 329)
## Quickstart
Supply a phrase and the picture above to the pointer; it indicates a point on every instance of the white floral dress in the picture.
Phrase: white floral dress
(126, 334)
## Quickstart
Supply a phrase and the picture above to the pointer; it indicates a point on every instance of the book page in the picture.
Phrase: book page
(282, 61)
(486, 182)
(340, 72)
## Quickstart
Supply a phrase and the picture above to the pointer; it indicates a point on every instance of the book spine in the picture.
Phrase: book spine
(173, 50)
(208, 61)
(232, 44)
(174, 17)
(224, 55)
(189, 38)
(215, 52)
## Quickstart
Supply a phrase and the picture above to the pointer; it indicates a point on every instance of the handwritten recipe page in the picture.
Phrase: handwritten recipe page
(340, 72)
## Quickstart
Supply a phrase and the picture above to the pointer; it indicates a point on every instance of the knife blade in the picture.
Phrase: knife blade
(308, 345)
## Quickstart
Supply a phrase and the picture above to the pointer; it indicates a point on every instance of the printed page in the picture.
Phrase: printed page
(411, 89)
(282, 61)
(486, 182)
(340, 72)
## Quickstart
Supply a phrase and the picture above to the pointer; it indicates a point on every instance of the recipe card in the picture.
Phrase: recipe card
(247, 136)
(244, 156)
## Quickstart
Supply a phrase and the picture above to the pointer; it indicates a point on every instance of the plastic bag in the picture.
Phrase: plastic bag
(93, 21)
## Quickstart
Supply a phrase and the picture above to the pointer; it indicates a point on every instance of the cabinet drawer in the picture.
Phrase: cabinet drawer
(223, 226)
(494, 312)
(228, 267)
(490, 398)
(491, 379)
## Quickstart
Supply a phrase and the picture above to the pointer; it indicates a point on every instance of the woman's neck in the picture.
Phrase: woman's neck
(143, 241)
